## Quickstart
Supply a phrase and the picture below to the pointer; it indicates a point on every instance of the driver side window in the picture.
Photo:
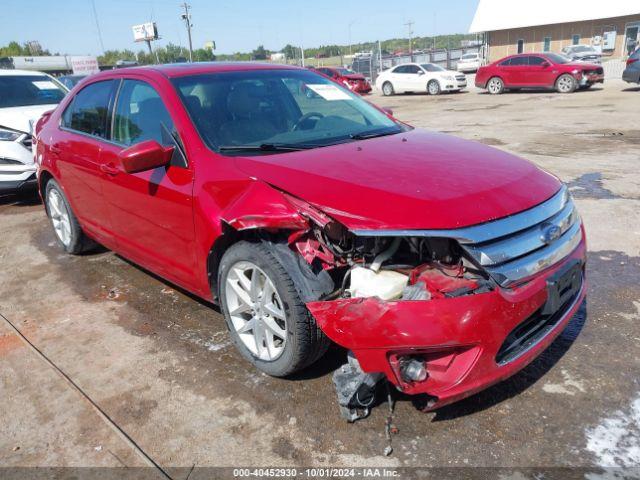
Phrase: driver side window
(141, 115)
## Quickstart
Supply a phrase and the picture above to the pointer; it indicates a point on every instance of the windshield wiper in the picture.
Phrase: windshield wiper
(374, 134)
(266, 147)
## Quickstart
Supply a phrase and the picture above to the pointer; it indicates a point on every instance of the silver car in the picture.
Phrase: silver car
(583, 53)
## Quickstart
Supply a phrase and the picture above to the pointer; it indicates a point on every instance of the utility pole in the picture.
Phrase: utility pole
(186, 16)
(302, 54)
(95, 17)
(350, 25)
(409, 25)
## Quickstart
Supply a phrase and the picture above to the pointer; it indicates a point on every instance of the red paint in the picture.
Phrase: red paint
(540, 76)
(169, 218)
(462, 334)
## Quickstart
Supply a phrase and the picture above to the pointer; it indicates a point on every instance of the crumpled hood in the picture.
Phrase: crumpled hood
(413, 180)
(354, 76)
(17, 118)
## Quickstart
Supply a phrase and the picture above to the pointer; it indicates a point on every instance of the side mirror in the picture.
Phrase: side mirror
(388, 111)
(420, 72)
(145, 155)
(545, 64)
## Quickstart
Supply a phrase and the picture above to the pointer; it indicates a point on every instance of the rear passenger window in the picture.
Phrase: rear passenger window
(519, 61)
(506, 63)
(89, 110)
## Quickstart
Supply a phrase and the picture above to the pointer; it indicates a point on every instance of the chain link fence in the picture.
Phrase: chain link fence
(371, 65)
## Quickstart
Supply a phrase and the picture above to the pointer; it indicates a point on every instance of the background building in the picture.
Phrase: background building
(512, 27)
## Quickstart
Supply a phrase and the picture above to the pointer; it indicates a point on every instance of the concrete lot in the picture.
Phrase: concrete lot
(158, 363)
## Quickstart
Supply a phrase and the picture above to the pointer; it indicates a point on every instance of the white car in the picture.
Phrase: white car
(469, 62)
(420, 77)
(24, 97)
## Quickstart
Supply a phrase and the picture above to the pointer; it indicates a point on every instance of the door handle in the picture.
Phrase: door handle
(109, 168)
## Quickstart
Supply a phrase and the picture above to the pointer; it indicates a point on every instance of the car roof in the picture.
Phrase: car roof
(172, 70)
(8, 72)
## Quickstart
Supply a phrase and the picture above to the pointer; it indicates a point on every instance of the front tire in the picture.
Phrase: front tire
(495, 86)
(433, 87)
(566, 84)
(387, 89)
(269, 323)
(69, 234)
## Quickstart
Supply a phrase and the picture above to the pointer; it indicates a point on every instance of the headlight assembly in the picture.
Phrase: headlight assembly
(9, 135)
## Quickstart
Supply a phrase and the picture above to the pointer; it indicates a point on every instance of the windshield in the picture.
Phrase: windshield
(582, 49)
(291, 109)
(557, 58)
(24, 90)
(431, 67)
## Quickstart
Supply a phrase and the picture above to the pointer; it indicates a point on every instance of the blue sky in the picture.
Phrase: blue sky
(68, 26)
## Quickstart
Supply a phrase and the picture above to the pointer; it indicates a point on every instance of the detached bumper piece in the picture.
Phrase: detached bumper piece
(356, 389)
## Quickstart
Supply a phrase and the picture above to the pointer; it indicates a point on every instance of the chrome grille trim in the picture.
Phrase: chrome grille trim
(485, 232)
(513, 248)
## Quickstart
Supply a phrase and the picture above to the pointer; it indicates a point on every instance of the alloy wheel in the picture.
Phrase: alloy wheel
(256, 311)
(495, 86)
(433, 88)
(565, 84)
(387, 89)
(59, 217)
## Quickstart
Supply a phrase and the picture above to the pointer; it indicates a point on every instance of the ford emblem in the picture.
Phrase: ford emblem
(550, 233)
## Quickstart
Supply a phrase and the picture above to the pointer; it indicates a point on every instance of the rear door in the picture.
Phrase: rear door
(83, 132)
(519, 72)
(151, 211)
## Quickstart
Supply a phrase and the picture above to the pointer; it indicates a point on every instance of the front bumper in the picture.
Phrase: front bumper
(17, 170)
(459, 338)
(591, 79)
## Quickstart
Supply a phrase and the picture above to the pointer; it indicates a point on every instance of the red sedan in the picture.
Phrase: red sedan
(353, 81)
(547, 70)
(444, 265)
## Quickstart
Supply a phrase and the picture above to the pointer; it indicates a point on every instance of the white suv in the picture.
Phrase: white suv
(24, 97)
(469, 62)
(420, 77)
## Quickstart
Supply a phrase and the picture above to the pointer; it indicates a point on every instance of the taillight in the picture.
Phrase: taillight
(631, 60)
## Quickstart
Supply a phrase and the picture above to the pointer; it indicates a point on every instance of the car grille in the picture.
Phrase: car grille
(521, 245)
(27, 142)
(8, 161)
(461, 78)
(514, 248)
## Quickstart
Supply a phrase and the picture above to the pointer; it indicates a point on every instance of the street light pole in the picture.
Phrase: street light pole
(409, 25)
(350, 25)
(186, 16)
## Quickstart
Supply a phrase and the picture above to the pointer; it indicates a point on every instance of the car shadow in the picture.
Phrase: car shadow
(26, 199)
(632, 89)
(518, 383)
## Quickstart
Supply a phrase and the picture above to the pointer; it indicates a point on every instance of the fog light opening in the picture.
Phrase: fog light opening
(413, 370)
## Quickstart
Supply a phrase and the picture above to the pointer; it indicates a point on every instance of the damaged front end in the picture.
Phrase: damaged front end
(445, 313)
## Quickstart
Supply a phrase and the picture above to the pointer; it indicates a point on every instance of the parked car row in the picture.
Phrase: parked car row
(24, 97)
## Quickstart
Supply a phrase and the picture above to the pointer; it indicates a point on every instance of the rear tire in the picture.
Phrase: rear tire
(495, 86)
(272, 330)
(387, 89)
(566, 84)
(433, 87)
(68, 232)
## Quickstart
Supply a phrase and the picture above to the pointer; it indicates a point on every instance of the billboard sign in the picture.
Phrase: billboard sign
(84, 65)
(145, 32)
